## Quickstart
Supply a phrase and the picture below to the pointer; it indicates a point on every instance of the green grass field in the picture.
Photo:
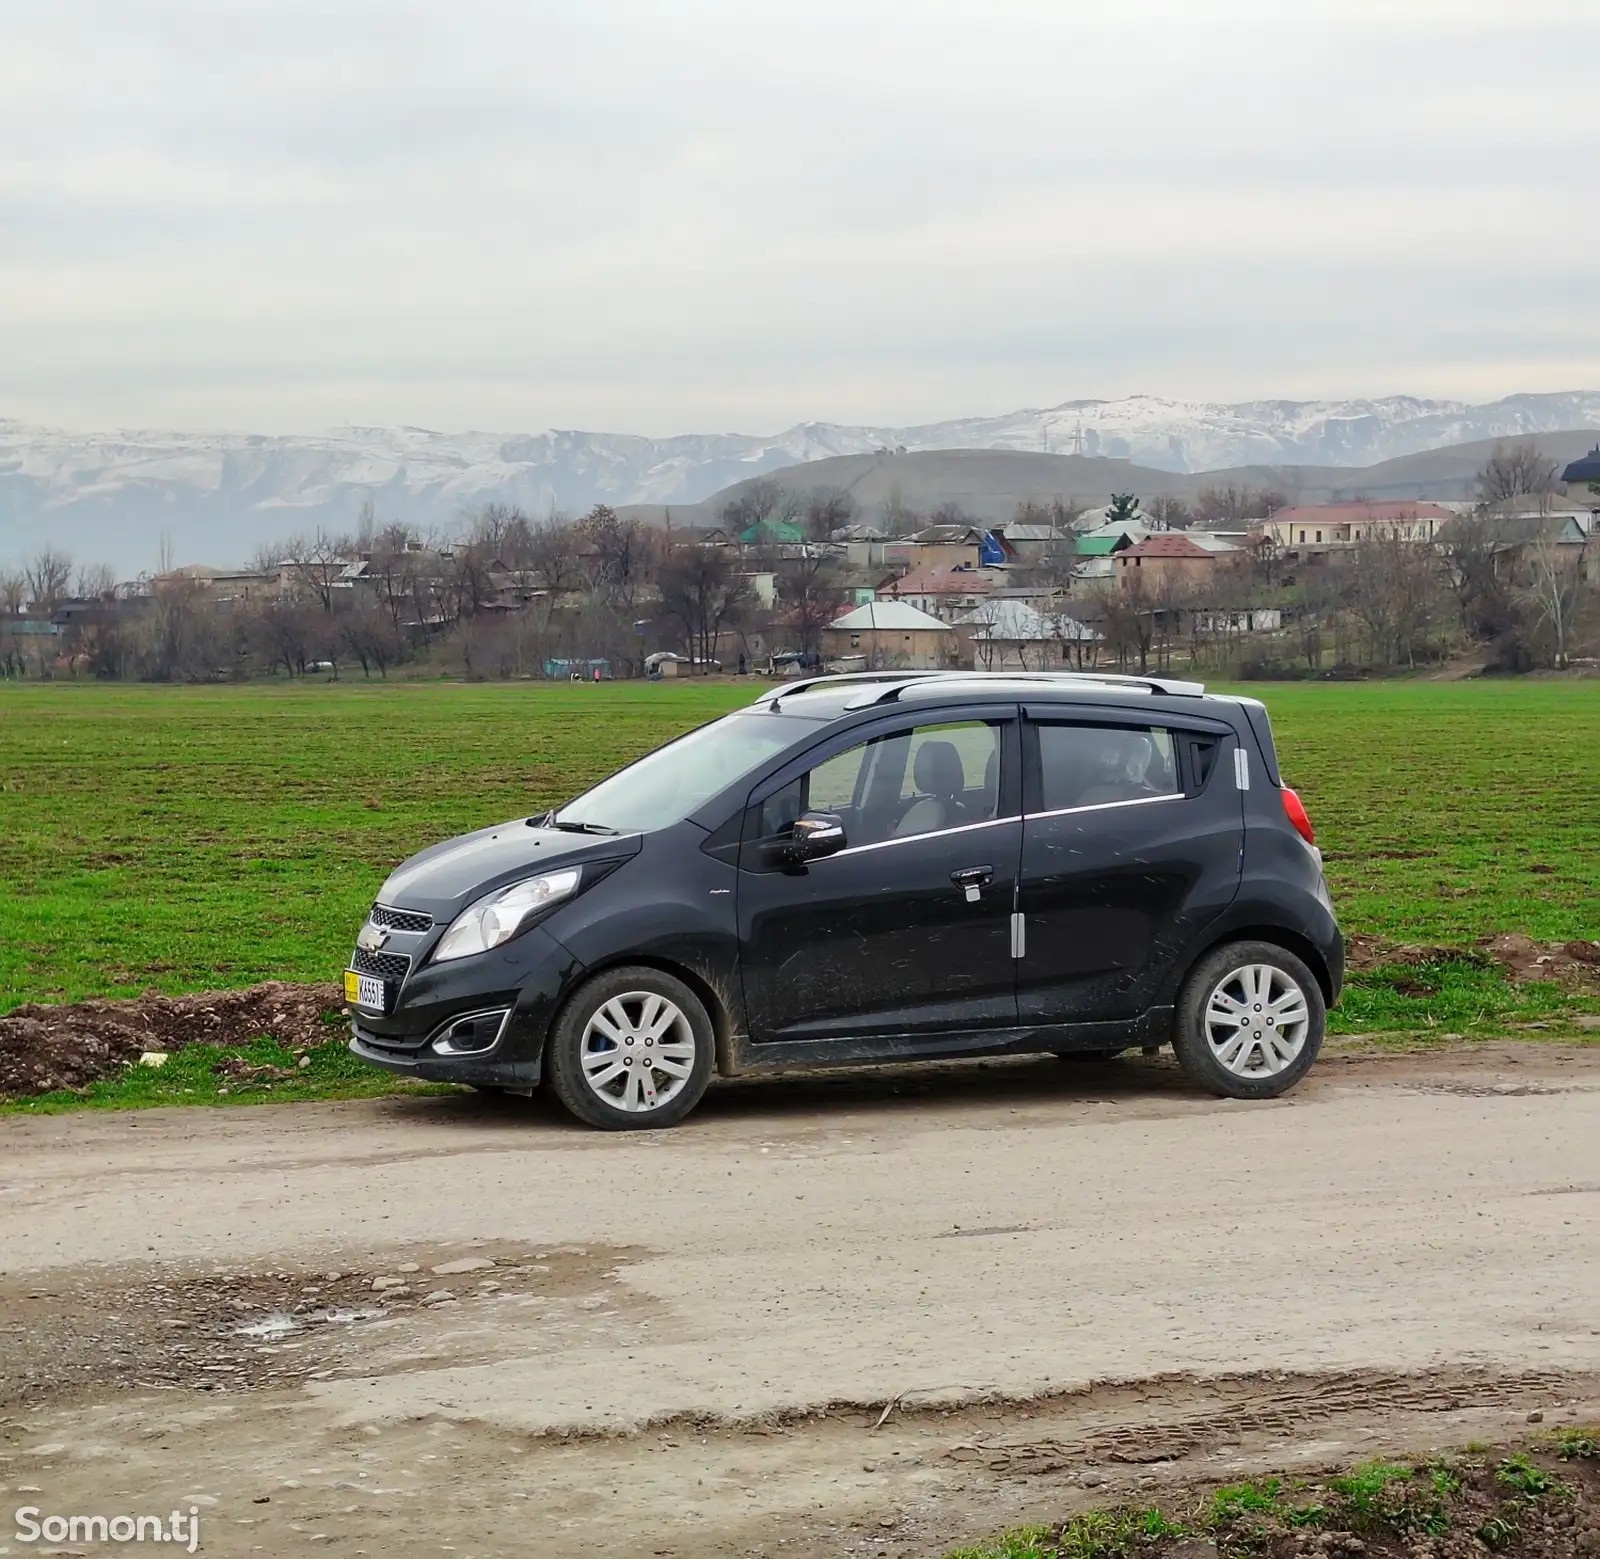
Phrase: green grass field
(185, 838)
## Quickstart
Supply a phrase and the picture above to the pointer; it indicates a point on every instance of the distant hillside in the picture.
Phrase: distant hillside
(989, 484)
(218, 496)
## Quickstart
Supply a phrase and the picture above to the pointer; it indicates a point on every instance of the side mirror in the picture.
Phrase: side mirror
(815, 835)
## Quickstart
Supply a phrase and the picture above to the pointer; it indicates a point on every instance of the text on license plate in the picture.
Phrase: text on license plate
(364, 990)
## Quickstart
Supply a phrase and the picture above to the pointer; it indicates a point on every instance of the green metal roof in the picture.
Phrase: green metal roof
(768, 532)
(1097, 546)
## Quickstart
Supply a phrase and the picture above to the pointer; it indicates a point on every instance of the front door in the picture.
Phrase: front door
(907, 930)
(1131, 846)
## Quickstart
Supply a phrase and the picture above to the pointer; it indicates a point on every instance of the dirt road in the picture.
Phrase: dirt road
(681, 1343)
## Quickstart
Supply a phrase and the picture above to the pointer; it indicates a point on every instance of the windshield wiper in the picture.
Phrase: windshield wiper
(572, 827)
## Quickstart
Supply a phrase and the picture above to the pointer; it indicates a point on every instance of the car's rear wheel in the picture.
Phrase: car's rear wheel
(631, 1050)
(1250, 1021)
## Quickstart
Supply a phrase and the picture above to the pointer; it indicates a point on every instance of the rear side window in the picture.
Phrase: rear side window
(1099, 765)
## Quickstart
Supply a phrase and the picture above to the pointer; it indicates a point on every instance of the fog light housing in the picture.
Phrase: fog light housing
(472, 1033)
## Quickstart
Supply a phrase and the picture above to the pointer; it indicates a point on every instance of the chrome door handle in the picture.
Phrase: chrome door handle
(973, 880)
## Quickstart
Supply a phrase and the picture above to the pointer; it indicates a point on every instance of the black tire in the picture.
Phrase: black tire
(597, 1107)
(1192, 1040)
(1094, 1056)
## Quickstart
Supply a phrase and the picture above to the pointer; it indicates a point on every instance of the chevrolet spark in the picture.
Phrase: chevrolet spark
(871, 869)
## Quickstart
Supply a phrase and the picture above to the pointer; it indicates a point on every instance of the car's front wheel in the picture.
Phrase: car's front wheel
(1250, 1021)
(632, 1049)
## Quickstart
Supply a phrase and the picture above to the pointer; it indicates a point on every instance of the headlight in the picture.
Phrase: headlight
(498, 917)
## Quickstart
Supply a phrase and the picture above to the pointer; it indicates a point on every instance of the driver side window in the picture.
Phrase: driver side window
(918, 781)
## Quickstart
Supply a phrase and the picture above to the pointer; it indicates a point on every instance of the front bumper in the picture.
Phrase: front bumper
(530, 976)
(484, 1071)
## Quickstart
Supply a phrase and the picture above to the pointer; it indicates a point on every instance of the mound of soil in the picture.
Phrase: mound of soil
(43, 1048)
(1575, 965)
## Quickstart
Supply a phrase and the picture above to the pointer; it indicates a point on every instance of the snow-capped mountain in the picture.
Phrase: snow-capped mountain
(114, 496)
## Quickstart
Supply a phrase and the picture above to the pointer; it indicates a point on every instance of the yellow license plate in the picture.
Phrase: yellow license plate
(365, 990)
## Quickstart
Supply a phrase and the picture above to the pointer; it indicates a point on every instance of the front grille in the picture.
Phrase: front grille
(387, 966)
(400, 919)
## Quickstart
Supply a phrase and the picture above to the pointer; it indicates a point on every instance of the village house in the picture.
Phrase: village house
(1027, 542)
(942, 591)
(1585, 474)
(1244, 619)
(1013, 635)
(1174, 558)
(947, 546)
(1315, 530)
(891, 633)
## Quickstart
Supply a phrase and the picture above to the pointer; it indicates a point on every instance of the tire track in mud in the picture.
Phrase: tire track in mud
(1301, 1403)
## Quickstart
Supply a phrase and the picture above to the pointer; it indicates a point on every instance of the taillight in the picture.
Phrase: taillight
(1294, 810)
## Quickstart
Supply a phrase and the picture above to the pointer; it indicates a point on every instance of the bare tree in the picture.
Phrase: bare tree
(372, 636)
(1124, 617)
(1168, 513)
(950, 513)
(48, 575)
(366, 525)
(184, 639)
(1060, 512)
(826, 511)
(1515, 471)
(95, 582)
(810, 594)
(899, 518)
(13, 597)
(703, 592)
(553, 558)
(393, 559)
(1230, 504)
(313, 563)
(283, 633)
(1555, 592)
(1468, 547)
(1391, 587)
(618, 556)
(756, 503)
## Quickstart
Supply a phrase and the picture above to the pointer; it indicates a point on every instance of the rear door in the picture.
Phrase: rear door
(906, 931)
(1131, 846)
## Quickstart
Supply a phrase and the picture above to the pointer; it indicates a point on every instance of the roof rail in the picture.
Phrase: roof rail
(805, 684)
(1169, 686)
(1174, 687)
(896, 682)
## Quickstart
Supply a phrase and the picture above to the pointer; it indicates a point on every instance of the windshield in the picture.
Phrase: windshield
(667, 785)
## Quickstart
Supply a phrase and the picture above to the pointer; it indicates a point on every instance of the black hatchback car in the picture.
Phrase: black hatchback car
(866, 869)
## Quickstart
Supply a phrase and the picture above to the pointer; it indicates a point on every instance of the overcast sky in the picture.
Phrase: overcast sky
(677, 215)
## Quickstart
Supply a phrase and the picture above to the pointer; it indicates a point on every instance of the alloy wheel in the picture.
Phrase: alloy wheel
(1256, 1021)
(637, 1051)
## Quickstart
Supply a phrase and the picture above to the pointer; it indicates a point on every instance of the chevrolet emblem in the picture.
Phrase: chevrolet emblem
(371, 939)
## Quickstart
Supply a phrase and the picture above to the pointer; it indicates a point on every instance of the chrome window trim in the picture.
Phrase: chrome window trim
(1106, 806)
(996, 822)
(932, 833)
